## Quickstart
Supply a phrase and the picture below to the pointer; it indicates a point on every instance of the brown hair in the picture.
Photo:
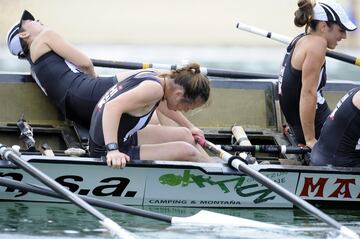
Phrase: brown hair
(304, 15)
(195, 84)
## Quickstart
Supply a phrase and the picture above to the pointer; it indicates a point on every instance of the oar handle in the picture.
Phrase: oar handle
(240, 135)
(286, 40)
(284, 149)
(242, 139)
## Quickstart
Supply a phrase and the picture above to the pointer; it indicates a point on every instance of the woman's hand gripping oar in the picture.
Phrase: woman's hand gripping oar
(240, 165)
(113, 227)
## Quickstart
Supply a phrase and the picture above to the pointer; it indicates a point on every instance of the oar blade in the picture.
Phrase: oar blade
(213, 218)
(116, 230)
(345, 231)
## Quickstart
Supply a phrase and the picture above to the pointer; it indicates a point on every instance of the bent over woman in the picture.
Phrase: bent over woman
(119, 126)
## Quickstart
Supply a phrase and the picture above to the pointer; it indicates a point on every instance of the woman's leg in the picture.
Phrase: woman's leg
(177, 150)
(157, 134)
(165, 120)
(161, 119)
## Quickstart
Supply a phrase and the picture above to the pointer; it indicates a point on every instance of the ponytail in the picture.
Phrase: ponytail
(195, 84)
(304, 14)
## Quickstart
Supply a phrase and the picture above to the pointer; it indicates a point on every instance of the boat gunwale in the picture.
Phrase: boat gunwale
(208, 168)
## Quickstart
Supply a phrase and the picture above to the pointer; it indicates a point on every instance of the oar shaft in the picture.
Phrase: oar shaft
(204, 70)
(267, 149)
(93, 201)
(307, 207)
(264, 33)
(343, 57)
(113, 227)
(286, 40)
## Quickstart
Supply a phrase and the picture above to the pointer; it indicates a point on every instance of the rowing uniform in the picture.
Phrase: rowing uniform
(128, 125)
(339, 142)
(72, 91)
(289, 95)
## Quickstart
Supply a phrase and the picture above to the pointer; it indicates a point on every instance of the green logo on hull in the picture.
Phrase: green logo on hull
(202, 181)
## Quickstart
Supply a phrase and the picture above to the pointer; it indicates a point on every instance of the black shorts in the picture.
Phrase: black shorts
(319, 157)
(130, 147)
(322, 112)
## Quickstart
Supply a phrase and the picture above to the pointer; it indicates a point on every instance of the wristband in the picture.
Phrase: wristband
(111, 147)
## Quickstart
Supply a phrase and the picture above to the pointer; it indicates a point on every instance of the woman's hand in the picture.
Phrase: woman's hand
(311, 143)
(197, 132)
(116, 159)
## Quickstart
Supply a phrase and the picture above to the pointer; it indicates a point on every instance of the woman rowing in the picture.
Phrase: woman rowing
(65, 74)
(119, 126)
(303, 73)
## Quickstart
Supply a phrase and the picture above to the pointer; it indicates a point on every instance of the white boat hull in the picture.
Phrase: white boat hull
(180, 184)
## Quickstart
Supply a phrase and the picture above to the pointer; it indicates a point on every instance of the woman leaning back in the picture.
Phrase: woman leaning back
(64, 73)
(303, 72)
(67, 76)
(119, 125)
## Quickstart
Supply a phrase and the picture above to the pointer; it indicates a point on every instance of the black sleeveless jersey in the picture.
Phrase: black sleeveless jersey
(128, 124)
(338, 144)
(290, 85)
(72, 91)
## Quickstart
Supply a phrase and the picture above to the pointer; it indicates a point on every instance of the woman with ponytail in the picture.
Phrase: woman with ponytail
(303, 72)
(119, 125)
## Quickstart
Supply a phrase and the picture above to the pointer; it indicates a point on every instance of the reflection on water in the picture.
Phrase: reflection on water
(49, 220)
(251, 59)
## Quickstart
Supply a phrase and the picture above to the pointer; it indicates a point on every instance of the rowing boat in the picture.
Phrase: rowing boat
(252, 103)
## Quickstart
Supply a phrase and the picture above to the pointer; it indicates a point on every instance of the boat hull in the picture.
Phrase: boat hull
(186, 184)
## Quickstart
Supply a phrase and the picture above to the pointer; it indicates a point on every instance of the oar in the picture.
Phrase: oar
(113, 227)
(284, 149)
(238, 164)
(204, 70)
(284, 39)
(243, 140)
(201, 218)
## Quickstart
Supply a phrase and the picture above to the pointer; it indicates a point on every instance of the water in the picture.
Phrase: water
(40, 220)
(49, 220)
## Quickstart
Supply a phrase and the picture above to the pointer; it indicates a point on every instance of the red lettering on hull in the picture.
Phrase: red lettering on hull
(343, 184)
(309, 185)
